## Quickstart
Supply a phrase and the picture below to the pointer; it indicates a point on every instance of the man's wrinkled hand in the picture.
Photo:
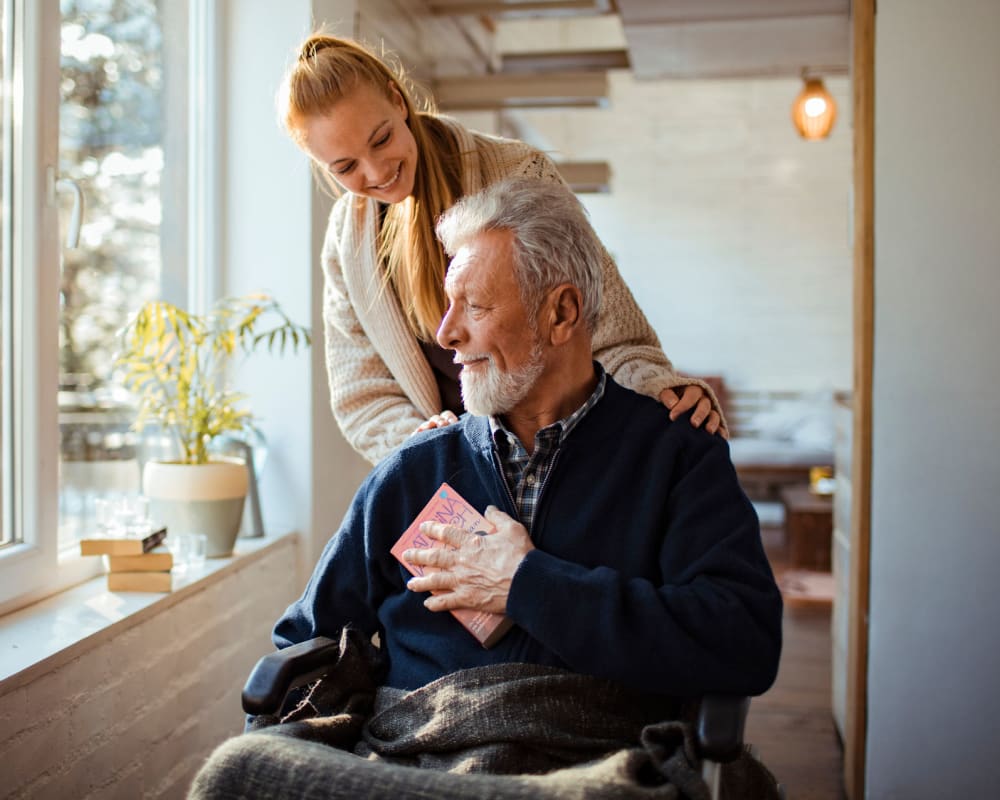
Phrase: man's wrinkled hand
(475, 570)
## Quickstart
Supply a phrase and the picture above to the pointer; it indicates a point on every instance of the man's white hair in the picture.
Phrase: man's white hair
(554, 242)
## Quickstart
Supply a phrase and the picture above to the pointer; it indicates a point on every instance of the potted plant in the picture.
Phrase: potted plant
(177, 364)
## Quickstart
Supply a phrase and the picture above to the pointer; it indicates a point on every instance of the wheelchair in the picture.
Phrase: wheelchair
(718, 729)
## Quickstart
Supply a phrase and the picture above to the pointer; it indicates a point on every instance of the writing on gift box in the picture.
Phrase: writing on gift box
(449, 508)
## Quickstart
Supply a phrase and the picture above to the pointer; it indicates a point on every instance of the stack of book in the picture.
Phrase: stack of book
(134, 565)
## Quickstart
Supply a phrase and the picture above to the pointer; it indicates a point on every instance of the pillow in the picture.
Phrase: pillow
(805, 420)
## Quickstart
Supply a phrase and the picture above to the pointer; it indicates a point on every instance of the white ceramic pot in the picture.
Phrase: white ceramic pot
(198, 498)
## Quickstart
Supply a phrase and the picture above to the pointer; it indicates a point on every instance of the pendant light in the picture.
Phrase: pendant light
(814, 110)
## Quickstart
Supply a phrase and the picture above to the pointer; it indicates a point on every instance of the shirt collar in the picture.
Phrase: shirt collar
(565, 425)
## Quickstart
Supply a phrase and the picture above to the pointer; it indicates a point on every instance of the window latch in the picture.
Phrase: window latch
(76, 214)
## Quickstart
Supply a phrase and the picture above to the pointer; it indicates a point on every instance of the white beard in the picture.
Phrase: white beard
(490, 391)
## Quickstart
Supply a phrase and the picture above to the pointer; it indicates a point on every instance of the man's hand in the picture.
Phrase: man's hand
(694, 397)
(478, 572)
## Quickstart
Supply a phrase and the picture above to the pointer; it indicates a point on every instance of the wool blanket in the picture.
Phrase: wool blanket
(509, 732)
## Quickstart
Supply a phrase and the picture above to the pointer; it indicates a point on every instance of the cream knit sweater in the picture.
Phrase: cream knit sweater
(381, 386)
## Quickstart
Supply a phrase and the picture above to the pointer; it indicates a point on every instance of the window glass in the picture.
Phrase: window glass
(114, 115)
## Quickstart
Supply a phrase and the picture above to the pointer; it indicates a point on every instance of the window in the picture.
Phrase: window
(112, 149)
(95, 108)
(29, 262)
(6, 533)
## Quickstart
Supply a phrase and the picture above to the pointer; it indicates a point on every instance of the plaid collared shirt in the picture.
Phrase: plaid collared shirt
(526, 476)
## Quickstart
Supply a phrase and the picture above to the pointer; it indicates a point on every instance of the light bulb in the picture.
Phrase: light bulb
(815, 106)
(814, 110)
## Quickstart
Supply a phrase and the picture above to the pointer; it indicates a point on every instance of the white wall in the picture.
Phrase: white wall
(267, 246)
(274, 221)
(730, 229)
(934, 653)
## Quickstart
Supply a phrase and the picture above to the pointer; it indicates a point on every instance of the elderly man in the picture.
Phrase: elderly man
(624, 552)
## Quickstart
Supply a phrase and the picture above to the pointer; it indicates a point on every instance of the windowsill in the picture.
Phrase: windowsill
(54, 631)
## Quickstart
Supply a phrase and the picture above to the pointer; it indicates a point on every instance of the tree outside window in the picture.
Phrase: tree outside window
(114, 118)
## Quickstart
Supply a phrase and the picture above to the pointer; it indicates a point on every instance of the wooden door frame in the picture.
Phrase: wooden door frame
(863, 99)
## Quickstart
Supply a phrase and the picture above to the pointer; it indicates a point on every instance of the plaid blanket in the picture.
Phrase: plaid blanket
(509, 732)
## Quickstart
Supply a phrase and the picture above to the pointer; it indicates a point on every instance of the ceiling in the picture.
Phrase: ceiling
(735, 38)
(557, 53)
(669, 38)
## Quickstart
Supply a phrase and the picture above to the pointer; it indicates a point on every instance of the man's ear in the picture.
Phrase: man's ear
(564, 312)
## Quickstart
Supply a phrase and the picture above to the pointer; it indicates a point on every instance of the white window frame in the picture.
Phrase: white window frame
(205, 217)
(33, 567)
(6, 278)
(31, 304)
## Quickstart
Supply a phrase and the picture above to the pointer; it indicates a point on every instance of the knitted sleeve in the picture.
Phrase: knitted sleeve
(624, 341)
(371, 408)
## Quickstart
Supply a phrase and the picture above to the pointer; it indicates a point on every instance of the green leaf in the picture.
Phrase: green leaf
(171, 361)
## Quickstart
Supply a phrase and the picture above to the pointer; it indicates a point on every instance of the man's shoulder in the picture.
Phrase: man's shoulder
(637, 408)
(646, 421)
(437, 446)
(401, 483)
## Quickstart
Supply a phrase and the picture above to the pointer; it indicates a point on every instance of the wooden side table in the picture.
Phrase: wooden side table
(808, 528)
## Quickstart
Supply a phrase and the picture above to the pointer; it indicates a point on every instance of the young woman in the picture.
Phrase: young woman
(397, 169)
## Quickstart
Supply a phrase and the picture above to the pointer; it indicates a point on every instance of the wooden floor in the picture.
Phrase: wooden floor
(792, 725)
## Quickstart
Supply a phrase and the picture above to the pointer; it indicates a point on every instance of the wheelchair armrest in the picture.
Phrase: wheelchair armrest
(719, 729)
(277, 673)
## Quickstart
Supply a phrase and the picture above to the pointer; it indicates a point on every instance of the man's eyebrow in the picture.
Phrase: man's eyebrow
(374, 135)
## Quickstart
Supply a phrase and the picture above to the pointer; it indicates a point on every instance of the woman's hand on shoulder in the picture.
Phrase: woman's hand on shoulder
(694, 397)
(442, 420)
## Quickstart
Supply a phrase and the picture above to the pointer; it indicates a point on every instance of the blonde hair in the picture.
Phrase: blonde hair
(327, 69)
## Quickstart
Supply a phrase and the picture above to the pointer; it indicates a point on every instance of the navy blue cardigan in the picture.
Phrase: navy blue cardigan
(649, 568)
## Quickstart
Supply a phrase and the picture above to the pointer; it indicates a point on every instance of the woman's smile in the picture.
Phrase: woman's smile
(389, 183)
